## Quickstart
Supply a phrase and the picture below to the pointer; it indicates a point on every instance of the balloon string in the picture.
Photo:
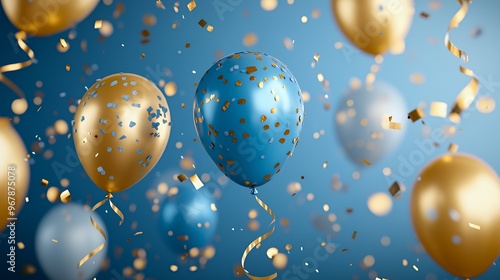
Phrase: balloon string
(20, 36)
(469, 92)
(370, 77)
(257, 242)
(109, 196)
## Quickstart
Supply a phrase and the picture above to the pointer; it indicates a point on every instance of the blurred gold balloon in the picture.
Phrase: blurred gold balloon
(455, 207)
(15, 172)
(375, 26)
(121, 129)
(47, 17)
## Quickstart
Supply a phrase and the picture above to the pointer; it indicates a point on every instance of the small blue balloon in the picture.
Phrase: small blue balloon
(64, 236)
(187, 220)
(248, 113)
(362, 122)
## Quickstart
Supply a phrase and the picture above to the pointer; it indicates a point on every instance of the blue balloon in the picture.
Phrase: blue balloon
(362, 122)
(248, 113)
(187, 220)
(64, 236)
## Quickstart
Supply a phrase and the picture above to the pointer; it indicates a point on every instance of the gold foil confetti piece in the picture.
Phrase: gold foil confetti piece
(416, 114)
(52, 194)
(474, 226)
(485, 104)
(349, 210)
(188, 45)
(316, 57)
(191, 5)
(395, 125)
(65, 196)
(469, 92)
(98, 24)
(138, 233)
(63, 43)
(367, 162)
(288, 247)
(390, 118)
(260, 84)
(424, 15)
(453, 148)
(143, 55)
(415, 267)
(28, 269)
(55, 240)
(195, 180)
(145, 33)
(438, 109)
(44, 182)
(354, 234)
(257, 242)
(213, 207)
(183, 238)
(210, 28)
(325, 164)
(68, 67)
(394, 188)
(202, 23)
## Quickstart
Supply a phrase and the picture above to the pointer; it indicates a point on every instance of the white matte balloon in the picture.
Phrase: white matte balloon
(64, 236)
(362, 122)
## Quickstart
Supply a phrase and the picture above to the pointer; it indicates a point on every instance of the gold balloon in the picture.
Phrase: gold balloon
(121, 129)
(14, 173)
(375, 26)
(47, 17)
(455, 208)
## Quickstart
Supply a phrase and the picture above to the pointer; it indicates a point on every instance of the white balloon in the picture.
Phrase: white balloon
(362, 122)
(64, 236)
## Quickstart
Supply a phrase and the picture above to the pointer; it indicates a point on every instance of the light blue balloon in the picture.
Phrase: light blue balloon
(362, 122)
(188, 214)
(248, 113)
(69, 225)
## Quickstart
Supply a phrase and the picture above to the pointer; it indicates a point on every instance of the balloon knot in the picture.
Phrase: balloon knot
(254, 191)
(109, 196)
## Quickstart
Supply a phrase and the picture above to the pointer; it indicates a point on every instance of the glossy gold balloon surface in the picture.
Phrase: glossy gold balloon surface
(47, 17)
(121, 129)
(15, 171)
(455, 207)
(375, 26)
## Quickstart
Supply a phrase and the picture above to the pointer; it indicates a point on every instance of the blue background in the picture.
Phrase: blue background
(308, 222)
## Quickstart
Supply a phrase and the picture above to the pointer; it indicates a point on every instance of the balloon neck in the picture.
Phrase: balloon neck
(109, 196)
(254, 191)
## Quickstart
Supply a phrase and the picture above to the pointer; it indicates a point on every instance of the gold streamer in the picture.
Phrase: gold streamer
(20, 36)
(469, 92)
(109, 196)
(256, 243)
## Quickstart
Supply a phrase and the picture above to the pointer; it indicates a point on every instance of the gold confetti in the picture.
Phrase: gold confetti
(183, 238)
(195, 180)
(325, 164)
(250, 40)
(354, 234)
(54, 240)
(68, 67)
(65, 196)
(395, 125)
(438, 109)
(415, 267)
(98, 24)
(213, 207)
(367, 162)
(424, 15)
(417, 78)
(485, 104)
(63, 43)
(202, 23)
(52, 194)
(138, 233)
(416, 114)
(395, 188)
(349, 210)
(210, 28)
(44, 182)
(20, 245)
(288, 247)
(191, 5)
(182, 177)
(453, 148)
(474, 226)
(316, 57)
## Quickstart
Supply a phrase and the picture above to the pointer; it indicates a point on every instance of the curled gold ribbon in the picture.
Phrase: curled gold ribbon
(20, 37)
(257, 242)
(109, 196)
(469, 92)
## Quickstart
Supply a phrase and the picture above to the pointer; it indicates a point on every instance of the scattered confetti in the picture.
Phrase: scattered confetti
(65, 196)
(98, 24)
(394, 189)
(416, 114)
(424, 15)
(191, 5)
(354, 234)
(453, 148)
(44, 182)
(474, 226)
(439, 109)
